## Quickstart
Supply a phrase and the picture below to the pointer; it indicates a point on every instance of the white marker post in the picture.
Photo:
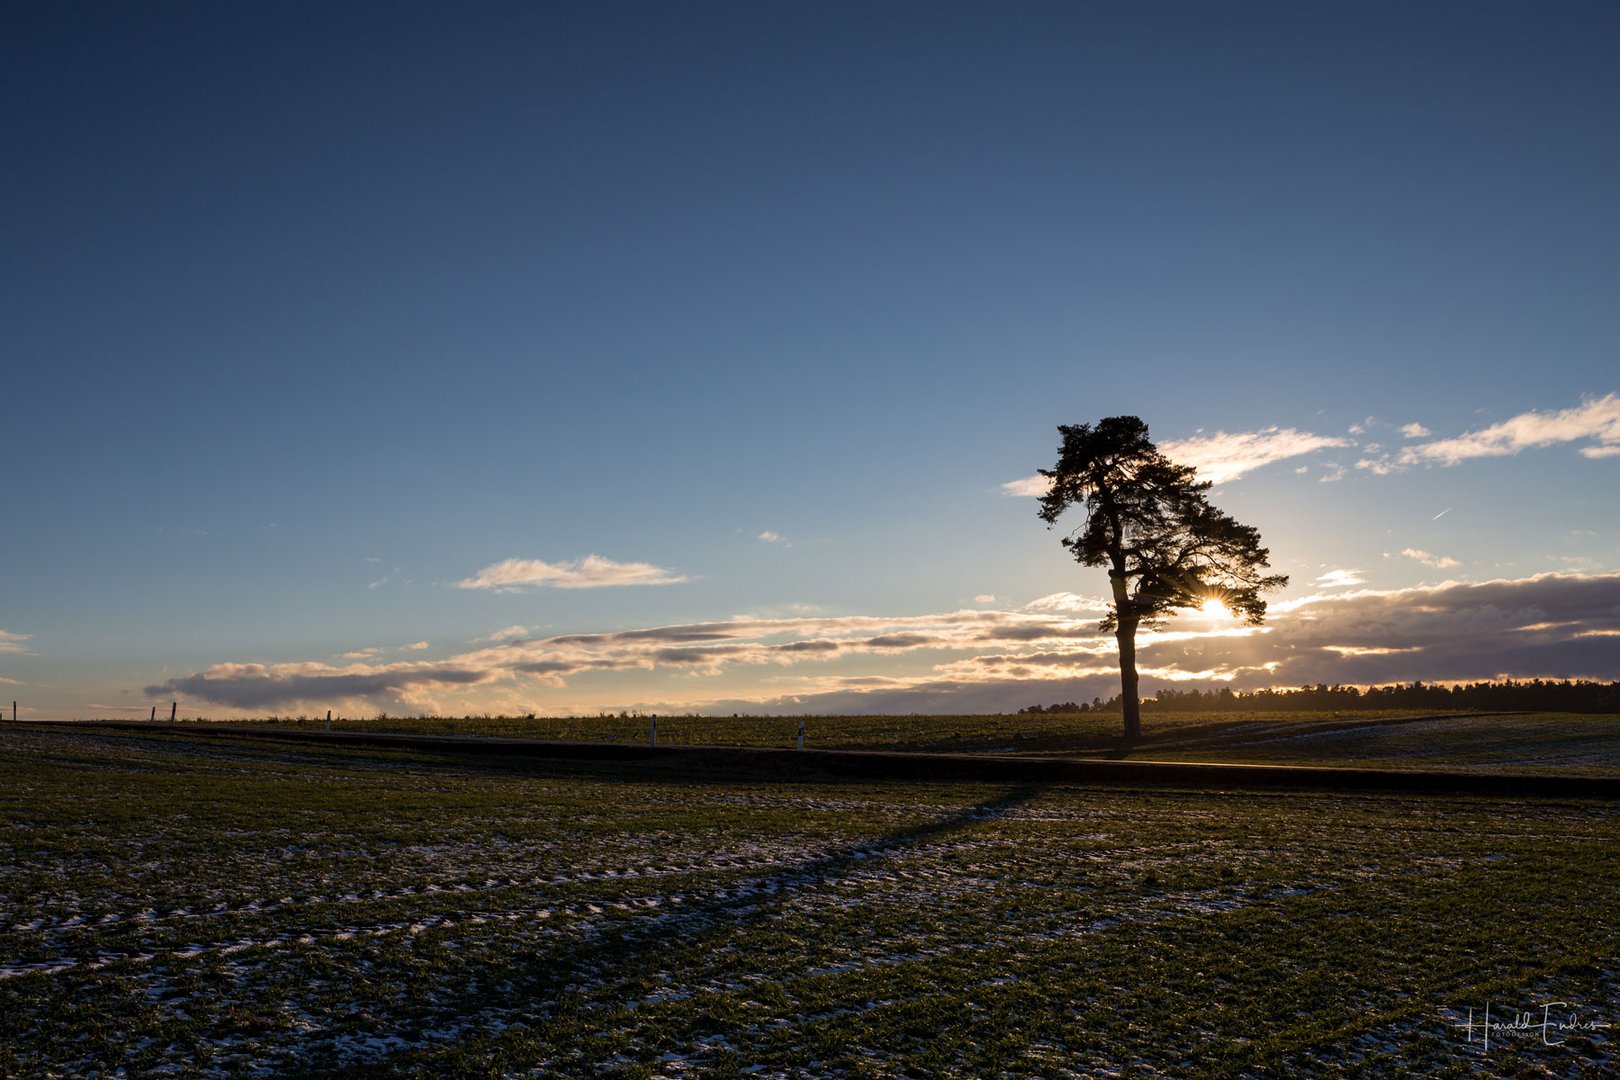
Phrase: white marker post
(652, 733)
(800, 744)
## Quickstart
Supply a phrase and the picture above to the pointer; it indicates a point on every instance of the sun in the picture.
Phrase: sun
(1214, 609)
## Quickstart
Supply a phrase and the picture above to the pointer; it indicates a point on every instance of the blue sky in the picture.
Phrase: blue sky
(744, 316)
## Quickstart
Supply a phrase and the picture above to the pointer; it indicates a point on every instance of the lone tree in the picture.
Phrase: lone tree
(1164, 545)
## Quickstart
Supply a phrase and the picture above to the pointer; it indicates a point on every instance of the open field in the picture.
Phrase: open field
(170, 906)
(1563, 742)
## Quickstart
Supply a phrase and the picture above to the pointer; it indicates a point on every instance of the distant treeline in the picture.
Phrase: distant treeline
(1535, 695)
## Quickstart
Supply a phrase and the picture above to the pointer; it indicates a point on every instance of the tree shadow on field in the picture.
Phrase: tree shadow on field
(604, 967)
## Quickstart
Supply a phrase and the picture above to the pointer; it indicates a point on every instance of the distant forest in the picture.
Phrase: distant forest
(1535, 695)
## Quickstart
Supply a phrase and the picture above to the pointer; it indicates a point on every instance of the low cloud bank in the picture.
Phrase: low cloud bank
(272, 686)
(1548, 626)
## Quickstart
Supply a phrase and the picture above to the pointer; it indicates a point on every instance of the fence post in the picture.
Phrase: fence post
(13, 712)
(800, 745)
(652, 734)
(328, 719)
(153, 717)
(174, 708)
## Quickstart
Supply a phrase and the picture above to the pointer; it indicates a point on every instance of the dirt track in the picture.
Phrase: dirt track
(759, 762)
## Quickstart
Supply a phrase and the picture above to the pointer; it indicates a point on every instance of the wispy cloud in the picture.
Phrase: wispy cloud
(372, 652)
(1594, 420)
(1339, 579)
(770, 537)
(1428, 558)
(505, 633)
(1415, 431)
(1069, 602)
(1032, 486)
(1218, 458)
(1226, 456)
(13, 643)
(591, 572)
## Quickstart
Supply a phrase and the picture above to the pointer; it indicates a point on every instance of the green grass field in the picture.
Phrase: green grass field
(172, 906)
(1563, 742)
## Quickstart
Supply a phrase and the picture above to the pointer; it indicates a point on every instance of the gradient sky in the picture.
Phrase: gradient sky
(566, 357)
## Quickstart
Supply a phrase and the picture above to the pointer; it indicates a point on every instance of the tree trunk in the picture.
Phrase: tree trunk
(1129, 702)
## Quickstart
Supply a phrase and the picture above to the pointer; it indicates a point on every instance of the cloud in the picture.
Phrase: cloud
(1068, 601)
(1548, 626)
(1594, 419)
(1033, 486)
(1415, 431)
(374, 651)
(1219, 457)
(591, 572)
(770, 537)
(551, 662)
(506, 633)
(13, 643)
(1226, 456)
(1429, 558)
(268, 686)
(878, 696)
(386, 579)
(1552, 625)
(985, 598)
(1339, 579)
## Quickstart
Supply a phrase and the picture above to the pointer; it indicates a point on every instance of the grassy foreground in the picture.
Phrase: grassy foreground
(170, 906)
(1563, 742)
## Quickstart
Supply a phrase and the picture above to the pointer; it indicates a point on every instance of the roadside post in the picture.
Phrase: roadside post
(799, 745)
(174, 711)
(328, 720)
(652, 732)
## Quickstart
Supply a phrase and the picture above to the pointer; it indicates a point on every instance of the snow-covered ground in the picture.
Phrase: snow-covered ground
(181, 908)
